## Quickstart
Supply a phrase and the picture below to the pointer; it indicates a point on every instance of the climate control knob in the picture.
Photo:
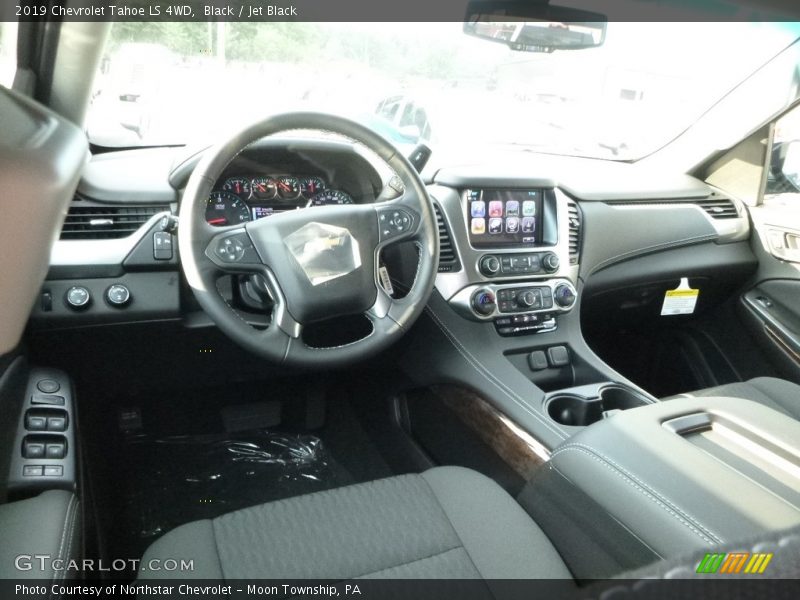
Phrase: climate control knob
(526, 299)
(564, 295)
(490, 265)
(483, 302)
(550, 262)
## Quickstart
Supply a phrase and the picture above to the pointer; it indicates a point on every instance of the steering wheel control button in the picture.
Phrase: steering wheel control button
(230, 250)
(118, 295)
(48, 386)
(483, 302)
(162, 245)
(77, 297)
(234, 248)
(394, 222)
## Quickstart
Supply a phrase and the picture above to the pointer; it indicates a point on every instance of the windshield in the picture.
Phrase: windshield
(181, 83)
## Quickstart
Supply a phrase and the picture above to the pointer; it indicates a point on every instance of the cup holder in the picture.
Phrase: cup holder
(578, 410)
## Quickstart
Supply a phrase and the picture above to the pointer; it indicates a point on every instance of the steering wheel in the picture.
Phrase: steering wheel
(320, 262)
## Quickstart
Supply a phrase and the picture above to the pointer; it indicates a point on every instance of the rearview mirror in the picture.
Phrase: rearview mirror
(529, 27)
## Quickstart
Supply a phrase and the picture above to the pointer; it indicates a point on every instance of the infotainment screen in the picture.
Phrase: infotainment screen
(503, 218)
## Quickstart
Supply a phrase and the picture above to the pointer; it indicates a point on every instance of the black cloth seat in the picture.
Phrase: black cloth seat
(446, 523)
(778, 394)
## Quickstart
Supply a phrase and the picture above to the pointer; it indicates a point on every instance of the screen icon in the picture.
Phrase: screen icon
(512, 225)
(495, 226)
(512, 208)
(495, 208)
(528, 224)
(478, 226)
(529, 208)
(478, 209)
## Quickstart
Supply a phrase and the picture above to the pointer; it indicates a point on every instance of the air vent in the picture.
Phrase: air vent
(448, 258)
(574, 232)
(718, 208)
(106, 222)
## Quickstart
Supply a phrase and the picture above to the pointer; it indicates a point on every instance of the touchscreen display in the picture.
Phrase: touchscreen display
(504, 217)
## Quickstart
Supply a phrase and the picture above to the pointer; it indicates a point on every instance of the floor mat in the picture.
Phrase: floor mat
(175, 480)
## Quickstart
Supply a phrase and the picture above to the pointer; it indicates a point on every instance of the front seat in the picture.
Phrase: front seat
(448, 523)
(777, 394)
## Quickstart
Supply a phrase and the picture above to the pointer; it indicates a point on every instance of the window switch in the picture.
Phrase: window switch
(56, 450)
(56, 423)
(32, 449)
(35, 423)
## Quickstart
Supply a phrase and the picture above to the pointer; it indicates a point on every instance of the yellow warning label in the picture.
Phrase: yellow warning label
(680, 301)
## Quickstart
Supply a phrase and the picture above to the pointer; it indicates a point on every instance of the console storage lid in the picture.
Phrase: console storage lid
(689, 473)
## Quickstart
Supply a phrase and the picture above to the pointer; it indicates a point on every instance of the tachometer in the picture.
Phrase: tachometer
(263, 188)
(225, 208)
(310, 186)
(288, 188)
(238, 185)
(330, 197)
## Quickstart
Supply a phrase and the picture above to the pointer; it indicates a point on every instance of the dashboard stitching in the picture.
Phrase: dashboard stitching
(488, 376)
(640, 489)
(653, 248)
(619, 467)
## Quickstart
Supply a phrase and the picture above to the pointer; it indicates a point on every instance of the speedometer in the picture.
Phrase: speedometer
(330, 197)
(224, 208)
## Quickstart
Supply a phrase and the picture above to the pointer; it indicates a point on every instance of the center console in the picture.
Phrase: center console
(667, 478)
(506, 322)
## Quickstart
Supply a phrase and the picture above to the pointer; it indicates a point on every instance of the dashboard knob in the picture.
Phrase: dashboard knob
(551, 262)
(564, 295)
(77, 297)
(526, 299)
(118, 295)
(483, 302)
(489, 265)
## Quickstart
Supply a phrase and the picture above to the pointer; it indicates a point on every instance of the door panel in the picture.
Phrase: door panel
(771, 307)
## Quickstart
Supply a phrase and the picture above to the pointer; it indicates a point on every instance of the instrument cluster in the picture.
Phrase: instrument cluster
(246, 198)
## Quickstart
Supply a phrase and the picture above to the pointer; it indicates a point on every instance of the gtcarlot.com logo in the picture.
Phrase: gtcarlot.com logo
(44, 562)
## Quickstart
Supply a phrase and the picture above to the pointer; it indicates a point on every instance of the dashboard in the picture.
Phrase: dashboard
(247, 197)
(517, 241)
